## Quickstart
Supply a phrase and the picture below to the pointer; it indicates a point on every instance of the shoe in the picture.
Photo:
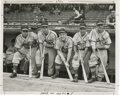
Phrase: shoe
(13, 75)
(92, 80)
(75, 79)
(55, 76)
(37, 75)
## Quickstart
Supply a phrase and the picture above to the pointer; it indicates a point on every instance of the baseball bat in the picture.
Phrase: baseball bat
(69, 73)
(83, 69)
(105, 72)
(42, 65)
(30, 64)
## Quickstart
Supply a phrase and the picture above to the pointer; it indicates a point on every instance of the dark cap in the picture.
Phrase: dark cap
(99, 22)
(82, 25)
(62, 30)
(24, 27)
(34, 27)
(44, 24)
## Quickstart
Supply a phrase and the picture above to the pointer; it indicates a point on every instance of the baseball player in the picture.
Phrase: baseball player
(63, 46)
(81, 45)
(46, 38)
(100, 39)
(23, 41)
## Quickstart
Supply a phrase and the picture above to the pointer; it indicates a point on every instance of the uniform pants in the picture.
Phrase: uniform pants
(104, 58)
(51, 57)
(85, 59)
(19, 56)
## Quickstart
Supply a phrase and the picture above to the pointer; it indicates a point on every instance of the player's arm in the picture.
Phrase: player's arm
(61, 55)
(69, 54)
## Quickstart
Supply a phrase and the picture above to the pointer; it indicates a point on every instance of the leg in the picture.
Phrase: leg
(38, 63)
(75, 65)
(104, 58)
(58, 63)
(86, 60)
(51, 58)
(34, 67)
(16, 60)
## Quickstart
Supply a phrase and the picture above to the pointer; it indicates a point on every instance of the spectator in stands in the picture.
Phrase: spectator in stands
(110, 20)
(51, 11)
(57, 11)
(43, 19)
(79, 15)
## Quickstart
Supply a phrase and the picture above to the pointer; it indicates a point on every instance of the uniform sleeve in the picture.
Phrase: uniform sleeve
(106, 36)
(54, 38)
(57, 44)
(34, 35)
(40, 37)
(93, 36)
(70, 43)
(18, 43)
(75, 39)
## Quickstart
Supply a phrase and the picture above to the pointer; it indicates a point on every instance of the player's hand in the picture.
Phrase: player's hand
(30, 43)
(67, 64)
(82, 61)
(45, 44)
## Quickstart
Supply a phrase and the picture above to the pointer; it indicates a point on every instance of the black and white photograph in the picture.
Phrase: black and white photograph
(59, 47)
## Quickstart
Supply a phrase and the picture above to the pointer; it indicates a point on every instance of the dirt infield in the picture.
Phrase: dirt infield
(23, 83)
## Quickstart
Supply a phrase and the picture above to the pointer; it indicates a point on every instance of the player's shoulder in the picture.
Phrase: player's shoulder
(52, 32)
(69, 39)
(19, 36)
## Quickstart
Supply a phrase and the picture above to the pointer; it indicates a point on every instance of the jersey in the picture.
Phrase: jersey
(64, 46)
(49, 39)
(99, 39)
(81, 41)
(24, 42)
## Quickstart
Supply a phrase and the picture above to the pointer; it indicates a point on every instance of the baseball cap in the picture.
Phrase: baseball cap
(82, 25)
(24, 28)
(62, 30)
(34, 27)
(99, 22)
(44, 24)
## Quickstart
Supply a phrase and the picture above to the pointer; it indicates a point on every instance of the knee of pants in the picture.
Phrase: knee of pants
(93, 69)
(58, 60)
(75, 64)
(37, 58)
(57, 66)
(16, 58)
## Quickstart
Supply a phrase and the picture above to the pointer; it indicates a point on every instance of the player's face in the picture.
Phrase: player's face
(62, 36)
(100, 28)
(83, 31)
(25, 33)
(45, 30)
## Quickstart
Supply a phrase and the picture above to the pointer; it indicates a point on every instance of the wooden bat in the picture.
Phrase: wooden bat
(69, 73)
(105, 72)
(42, 65)
(83, 69)
(30, 64)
